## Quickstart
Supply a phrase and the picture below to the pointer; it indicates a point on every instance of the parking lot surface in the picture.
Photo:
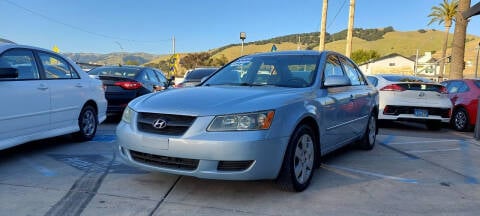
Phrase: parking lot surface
(411, 171)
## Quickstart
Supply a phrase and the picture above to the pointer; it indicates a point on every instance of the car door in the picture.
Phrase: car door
(362, 97)
(25, 99)
(67, 90)
(336, 104)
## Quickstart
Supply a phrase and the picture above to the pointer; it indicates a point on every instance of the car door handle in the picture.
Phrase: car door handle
(79, 85)
(42, 87)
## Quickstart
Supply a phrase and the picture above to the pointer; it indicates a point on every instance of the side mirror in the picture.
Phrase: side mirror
(170, 81)
(332, 81)
(8, 73)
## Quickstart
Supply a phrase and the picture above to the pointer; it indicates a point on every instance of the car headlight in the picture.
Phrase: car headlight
(127, 115)
(244, 121)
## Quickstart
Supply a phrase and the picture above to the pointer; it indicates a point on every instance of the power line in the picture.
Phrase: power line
(78, 28)
(338, 12)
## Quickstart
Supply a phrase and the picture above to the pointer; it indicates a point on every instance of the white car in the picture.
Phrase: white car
(44, 95)
(411, 98)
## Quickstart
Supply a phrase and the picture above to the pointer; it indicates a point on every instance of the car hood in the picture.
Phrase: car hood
(217, 100)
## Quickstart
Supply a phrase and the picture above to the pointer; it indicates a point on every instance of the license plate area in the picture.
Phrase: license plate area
(420, 112)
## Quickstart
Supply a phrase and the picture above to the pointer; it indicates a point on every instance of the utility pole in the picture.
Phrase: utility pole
(476, 61)
(121, 53)
(323, 26)
(351, 16)
(173, 44)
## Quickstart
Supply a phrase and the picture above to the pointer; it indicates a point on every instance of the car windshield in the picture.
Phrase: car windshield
(115, 71)
(200, 73)
(295, 71)
(396, 78)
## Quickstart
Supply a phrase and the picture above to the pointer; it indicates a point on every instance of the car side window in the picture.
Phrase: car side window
(23, 61)
(56, 67)
(333, 67)
(352, 72)
(373, 80)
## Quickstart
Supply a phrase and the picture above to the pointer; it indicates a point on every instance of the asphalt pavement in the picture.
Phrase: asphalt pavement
(411, 171)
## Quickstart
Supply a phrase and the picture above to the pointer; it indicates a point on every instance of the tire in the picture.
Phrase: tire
(88, 123)
(367, 142)
(299, 160)
(460, 120)
(434, 125)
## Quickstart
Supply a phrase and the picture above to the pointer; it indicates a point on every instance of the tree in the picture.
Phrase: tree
(194, 60)
(458, 43)
(362, 56)
(131, 62)
(444, 13)
(220, 61)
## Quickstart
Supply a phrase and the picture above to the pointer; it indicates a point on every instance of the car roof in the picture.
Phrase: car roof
(6, 46)
(292, 52)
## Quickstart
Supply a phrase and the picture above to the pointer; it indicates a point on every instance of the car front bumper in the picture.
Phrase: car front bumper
(236, 155)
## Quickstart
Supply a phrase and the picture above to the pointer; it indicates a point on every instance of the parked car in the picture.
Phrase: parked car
(124, 83)
(235, 126)
(193, 77)
(411, 98)
(44, 95)
(464, 96)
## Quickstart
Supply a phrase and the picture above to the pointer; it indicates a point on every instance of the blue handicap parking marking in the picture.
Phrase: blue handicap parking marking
(104, 138)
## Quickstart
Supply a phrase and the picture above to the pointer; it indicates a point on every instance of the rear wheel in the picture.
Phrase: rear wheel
(87, 121)
(298, 163)
(460, 120)
(368, 140)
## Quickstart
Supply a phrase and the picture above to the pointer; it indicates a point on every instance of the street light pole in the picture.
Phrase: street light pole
(243, 36)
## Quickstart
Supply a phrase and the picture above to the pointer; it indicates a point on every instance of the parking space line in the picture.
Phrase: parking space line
(41, 169)
(433, 150)
(417, 142)
(340, 172)
(405, 180)
(467, 163)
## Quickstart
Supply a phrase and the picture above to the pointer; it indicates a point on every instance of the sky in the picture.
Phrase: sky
(105, 26)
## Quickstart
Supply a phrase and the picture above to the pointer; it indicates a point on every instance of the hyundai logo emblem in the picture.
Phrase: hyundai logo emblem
(421, 94)
(159, 124)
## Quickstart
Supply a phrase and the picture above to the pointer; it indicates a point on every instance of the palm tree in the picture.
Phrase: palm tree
(458, 44)
(444, 13)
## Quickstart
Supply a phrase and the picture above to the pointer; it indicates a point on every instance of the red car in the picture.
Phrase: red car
(464, 96)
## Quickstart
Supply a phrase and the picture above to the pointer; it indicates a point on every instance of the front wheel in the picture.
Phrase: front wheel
(87, 121)
(298, 163)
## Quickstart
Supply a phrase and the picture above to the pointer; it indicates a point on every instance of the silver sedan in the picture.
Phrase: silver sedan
(262, 116)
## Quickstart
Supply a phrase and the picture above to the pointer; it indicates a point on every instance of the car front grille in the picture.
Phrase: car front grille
(176, 125)
(397, 110)
(234, 165)
(164, 161)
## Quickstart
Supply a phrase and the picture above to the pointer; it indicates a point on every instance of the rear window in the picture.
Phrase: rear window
(393, 78)
(373, 80)
(115, 71)
(477, 83)
(200, 73)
